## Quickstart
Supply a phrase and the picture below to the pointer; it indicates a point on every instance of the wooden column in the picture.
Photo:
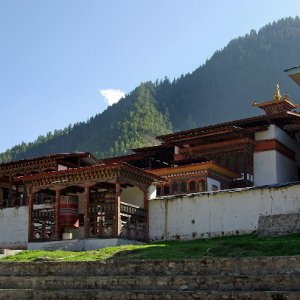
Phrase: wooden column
(10, 195)
(117, 219)
(56, 215)
(86, 211)
(25, 196)
(146, 208)
(30, 216)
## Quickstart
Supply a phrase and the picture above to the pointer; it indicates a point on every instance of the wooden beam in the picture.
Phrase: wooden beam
(117, 219)
(86, 211)
(30, 211)
(57, 215)
(146, 208)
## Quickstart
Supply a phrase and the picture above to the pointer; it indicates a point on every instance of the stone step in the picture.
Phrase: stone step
(11, 294)
(211, 266)
(177, 283)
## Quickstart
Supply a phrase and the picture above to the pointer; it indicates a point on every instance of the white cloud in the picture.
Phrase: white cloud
(111, 96)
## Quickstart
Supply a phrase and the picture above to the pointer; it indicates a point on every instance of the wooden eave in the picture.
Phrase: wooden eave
(28, 166)
(153, 149)
(292, 127)
(41, 163)
(294, 74)
(285, 102)
(282, 118)
(218, 148)
(123, 158)
(96, 173)
(235, 133)
(190, 169)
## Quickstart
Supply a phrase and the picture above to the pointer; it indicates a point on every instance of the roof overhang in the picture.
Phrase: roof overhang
(190, 169)
(113, 172)
(294, 74)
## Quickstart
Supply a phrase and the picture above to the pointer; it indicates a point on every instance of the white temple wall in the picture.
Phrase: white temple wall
(277, 133)
(265, 168)
(152, 191)
(14, 227)
(218, 213)
(271, 167)
(286, 169)
(133, 195)
(212, 182)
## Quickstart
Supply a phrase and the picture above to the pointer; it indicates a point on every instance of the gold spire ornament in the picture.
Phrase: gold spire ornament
(277, 95)
(278, 104)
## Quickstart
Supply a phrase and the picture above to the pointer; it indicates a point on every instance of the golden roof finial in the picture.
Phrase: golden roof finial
(277, 95)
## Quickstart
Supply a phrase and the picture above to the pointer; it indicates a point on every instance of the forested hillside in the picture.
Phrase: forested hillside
(222, 89)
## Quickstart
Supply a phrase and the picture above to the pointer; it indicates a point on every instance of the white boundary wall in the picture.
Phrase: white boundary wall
(219, 213)
(14, 227)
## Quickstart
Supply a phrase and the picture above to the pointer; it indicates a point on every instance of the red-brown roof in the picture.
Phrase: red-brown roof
(263, 120)
(47, 161)
(95, 172)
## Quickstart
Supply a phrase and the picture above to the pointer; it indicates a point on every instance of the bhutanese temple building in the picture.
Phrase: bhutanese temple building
(256, 151)
(76, 196)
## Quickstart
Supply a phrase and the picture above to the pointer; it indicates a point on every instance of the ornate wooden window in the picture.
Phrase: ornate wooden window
(166, 189)
(201, 185)
(43, 215)
(192, 186)
(174, 188)
(183, 187)
(158, 190)
(44, 197)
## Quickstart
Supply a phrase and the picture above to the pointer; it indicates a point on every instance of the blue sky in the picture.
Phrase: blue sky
(60, 58)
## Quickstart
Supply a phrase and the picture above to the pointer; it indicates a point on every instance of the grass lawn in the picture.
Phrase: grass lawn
(233, 246)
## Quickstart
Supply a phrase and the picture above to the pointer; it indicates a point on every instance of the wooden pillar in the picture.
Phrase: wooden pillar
(146, 208)
(25, 196)
(56, 215)
(86, 211)
(117, 219)
(30, 215)
(10, 194)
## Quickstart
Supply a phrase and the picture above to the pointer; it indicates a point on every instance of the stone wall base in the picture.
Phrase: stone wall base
(281, 224)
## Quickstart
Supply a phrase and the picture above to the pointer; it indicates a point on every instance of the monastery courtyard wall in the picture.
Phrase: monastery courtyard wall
(219, 213)
(14, 227)
(190, 216)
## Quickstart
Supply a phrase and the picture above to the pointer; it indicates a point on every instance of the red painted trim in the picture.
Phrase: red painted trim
(273, 144)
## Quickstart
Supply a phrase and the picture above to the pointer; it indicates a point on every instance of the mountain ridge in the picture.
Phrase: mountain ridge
(220, 90)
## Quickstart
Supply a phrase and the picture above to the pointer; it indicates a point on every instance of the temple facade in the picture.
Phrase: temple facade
(76, 196)
(256, 151)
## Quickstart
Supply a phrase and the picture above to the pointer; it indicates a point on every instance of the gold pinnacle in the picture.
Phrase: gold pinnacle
(277, 95)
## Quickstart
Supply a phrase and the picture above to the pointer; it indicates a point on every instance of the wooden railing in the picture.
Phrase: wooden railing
(43, 224)
(16, 200)
(102, 220)
(133, 211)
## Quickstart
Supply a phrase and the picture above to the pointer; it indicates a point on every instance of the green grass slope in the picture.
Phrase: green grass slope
(233, 246)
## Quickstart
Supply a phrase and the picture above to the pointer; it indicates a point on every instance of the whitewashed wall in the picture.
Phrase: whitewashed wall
(265, 168)
(287, 169)
(218, 213)
(272, 167)
(14, 227)
(211, 182)
(133, 195)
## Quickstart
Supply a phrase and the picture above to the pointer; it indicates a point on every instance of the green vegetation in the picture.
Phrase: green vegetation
(222, 89)
(233, 246)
